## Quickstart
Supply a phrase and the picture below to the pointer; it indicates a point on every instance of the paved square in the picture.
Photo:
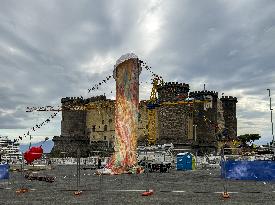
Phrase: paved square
(176, 187)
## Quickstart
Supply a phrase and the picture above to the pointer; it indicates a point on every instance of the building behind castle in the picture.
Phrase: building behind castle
(198, 126)
(9, 150)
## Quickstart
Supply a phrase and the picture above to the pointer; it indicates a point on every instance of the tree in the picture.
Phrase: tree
(248, 138)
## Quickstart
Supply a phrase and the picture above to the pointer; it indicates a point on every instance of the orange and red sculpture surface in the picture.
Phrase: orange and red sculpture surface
(126, 74)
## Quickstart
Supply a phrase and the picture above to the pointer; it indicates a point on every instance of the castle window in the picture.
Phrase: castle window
(105, 137)
(102, 121)
(110, 120)
(93, 128)
(105, 127)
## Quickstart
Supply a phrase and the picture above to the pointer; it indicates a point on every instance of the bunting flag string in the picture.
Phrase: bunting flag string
(35, 128)
(96, 86)
(154, 75)
(59, 108)
(51, 108)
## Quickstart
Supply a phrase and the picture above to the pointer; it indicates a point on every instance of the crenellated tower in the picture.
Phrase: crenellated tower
(229, 107)
(206, 117)
(173, 118)
(172, 91)
(73, 127)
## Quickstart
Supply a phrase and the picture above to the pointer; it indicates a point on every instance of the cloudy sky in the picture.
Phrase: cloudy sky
(53, 49)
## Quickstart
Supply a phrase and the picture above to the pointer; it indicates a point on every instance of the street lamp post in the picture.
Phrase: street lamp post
(271, 119)
(195, 132)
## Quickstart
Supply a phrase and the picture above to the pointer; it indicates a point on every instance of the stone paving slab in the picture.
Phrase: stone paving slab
(176, 187)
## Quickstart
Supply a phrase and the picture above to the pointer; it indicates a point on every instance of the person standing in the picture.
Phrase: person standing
(99, 163)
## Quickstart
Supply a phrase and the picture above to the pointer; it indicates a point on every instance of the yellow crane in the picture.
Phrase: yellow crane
(152, 115)
(152, 112)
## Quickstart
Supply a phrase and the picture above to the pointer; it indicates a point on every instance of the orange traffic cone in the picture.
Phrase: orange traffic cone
(225, 195)
(148, 192)
(77, 193)
(22, 190)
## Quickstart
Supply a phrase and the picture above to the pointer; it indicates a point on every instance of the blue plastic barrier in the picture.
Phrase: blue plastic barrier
(4, 171)
(260, 170)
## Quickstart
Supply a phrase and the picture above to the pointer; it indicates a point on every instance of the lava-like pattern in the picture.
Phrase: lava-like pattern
(126, 115)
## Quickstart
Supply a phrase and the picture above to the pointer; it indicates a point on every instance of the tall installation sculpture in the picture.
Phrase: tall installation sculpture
(126, 73)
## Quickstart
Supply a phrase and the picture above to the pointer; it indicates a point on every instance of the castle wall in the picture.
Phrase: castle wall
(100, 122)
(73, 123)
(94, 129)
(206, 116)
(67, 146)
(229, 107)
(220, 117)
(73, 127)
(142, 123)
(175, 124)
(190, 126)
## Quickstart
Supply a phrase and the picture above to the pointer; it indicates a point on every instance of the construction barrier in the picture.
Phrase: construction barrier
(260, 170)
(4, 171)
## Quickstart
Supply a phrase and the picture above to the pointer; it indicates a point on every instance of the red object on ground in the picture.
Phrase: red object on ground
(148, 193)
(32, 154)
(77, 193)
(22, 190)
(225, 195)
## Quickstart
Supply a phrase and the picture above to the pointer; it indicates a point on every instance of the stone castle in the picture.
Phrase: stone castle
(199, 125)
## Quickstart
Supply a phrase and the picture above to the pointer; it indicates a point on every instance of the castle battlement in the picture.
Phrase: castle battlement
(83, 101)
(202, 93)
(172, 91)
(228, 98)
(173, 84)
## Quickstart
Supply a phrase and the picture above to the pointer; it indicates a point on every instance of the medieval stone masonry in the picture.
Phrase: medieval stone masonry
(199, 124)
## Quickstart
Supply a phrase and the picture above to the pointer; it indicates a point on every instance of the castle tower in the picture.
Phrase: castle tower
(126, 74)
(172, 92)
(73, 122)
(173, 117)
(205, 117)
(73, 128)
(229, 107)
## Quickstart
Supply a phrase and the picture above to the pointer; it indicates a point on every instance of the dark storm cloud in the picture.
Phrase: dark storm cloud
(44, 45)
(230, 44)
(54, 49)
